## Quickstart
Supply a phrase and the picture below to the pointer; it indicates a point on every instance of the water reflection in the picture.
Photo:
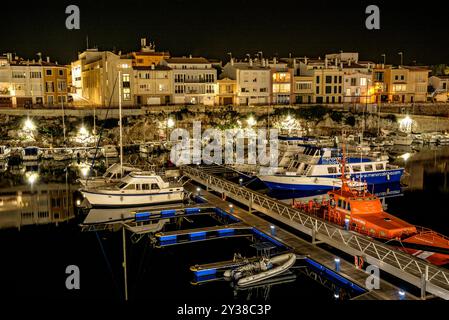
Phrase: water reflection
(427, 169)
(35, 204)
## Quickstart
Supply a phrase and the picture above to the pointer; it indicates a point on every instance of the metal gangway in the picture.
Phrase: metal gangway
(429, 278)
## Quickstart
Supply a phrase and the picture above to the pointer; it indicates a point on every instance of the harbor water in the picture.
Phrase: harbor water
(41, 236)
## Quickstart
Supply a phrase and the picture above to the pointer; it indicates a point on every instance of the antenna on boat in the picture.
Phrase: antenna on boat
(120, 120)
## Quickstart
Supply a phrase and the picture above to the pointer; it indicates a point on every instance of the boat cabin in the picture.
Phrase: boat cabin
(364, 213)
(145, 182)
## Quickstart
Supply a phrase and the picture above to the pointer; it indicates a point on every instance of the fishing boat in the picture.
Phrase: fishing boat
(31, 154)
(112, 175)
(261, 270)
(137, 188)
(319, 169)
(4, 152)
(362, 212)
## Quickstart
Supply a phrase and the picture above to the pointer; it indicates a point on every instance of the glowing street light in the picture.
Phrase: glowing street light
(405, 124)
(170, 123)
(32, 177)
(251, 121)
(83, 131)
(29, 125)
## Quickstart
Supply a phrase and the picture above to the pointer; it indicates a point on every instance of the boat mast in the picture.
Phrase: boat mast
(120, 120)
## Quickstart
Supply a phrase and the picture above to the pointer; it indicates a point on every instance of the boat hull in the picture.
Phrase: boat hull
(304, 183)
(98, 199)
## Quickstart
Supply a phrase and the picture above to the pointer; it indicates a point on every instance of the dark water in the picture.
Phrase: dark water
(40, 237)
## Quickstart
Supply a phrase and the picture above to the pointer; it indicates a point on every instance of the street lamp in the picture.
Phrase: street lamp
(251, 121)
(28, 125)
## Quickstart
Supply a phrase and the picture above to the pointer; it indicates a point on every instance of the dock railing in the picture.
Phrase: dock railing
(415, 271)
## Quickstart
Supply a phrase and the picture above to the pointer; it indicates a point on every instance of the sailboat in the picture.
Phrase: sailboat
(135, 189)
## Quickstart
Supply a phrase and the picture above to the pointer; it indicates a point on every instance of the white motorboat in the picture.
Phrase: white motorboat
(47, 154)
(109, 151)
(94, 153)
(137, 188)
(112, 174)
(31, 154)
(62, 154)
(266, 268)
(4, 152)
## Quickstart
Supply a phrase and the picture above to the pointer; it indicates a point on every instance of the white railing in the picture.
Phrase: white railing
(387, 258)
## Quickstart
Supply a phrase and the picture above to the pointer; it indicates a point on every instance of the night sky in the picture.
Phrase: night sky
(213, 28)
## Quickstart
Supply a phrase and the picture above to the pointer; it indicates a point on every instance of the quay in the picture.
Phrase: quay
(425, 276)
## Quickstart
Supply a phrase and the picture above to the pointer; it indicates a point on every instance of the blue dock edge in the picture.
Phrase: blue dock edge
(142, 216)
(267, 237)
(335, 276)
(168, 213)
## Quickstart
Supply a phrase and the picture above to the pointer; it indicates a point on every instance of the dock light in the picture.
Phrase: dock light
(198, 191)
(273, 230)
(401, 294)
(337, 264)
(336, 295)
(240, 181)
(78, 202)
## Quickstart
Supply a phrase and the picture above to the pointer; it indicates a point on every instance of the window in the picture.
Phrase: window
(328, 89)
(379, 166)
(50, 100)
(145, 186)
(126, 80)
(379, 76)
(356, 168)
(317, 79)
(353, 82)
(49, 86)
(62, 85)
(328, 79)
(130, 186)
(339, 203)
(332, 169)
(317, 91)
(369, 167)
(303, 86)
(126, 94)
(61, 72)
(48, 72)
(363, 81)
(35, 75)
(335, 79)
(154, 186)
(18, 75)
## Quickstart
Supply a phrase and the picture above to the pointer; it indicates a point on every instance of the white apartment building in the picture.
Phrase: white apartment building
(153, 85)
(21, 82)
(357, 87)
(253, 80)
(194, 80)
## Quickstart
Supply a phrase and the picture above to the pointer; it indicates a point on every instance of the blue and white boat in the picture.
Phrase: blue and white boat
(319, 169)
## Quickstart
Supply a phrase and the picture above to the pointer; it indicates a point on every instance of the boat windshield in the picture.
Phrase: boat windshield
(122, 185)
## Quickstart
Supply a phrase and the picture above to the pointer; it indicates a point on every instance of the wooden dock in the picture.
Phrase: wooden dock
(387, 291)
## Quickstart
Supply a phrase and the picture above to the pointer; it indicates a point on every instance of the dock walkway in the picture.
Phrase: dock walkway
(387, 291)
